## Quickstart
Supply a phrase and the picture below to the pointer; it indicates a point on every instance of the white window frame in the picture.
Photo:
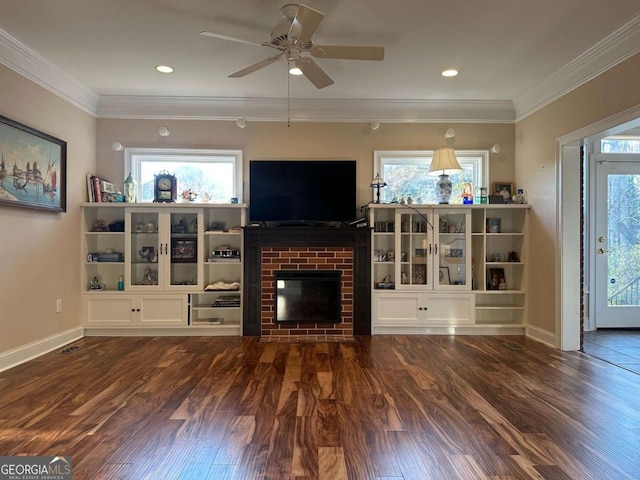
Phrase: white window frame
(479, 159)
(134, 156)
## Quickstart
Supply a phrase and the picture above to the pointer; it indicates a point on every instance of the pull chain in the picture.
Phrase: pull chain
(288, 98)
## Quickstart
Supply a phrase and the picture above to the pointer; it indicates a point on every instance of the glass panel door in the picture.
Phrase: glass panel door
(617, 241)
(452, 249)
(184, 253)
(415, 250)
(145, 250)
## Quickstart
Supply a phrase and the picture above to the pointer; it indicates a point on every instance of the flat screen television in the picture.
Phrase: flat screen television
(302, 191)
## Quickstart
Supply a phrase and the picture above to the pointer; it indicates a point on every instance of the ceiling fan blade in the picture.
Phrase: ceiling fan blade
(305, 23)
(314, 73)
(256, 66)
(347, 52)
(231, 39)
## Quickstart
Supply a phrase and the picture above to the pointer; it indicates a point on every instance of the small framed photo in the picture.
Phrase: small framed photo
(497, 279)
(148, 255)
(184, 250)
(504, 189)
(443, 276)
(419, 274)
(494, 225)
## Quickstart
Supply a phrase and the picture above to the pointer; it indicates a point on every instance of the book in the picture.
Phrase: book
(97, 189)
(90, 197)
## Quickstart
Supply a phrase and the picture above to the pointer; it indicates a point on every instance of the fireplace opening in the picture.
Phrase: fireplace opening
(308, 296)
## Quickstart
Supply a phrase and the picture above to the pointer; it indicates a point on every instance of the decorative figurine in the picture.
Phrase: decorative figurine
(100, 226)
(95, 284)
(150, 277)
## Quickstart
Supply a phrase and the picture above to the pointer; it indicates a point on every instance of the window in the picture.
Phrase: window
(620, 144)
(406, 174)
(215, 175)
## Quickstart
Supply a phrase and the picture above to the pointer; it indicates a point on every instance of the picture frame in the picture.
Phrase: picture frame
(184, 250)
(419, 274)
(499, 188)
(443, 276)
(33, 168)
(494, 225)
(496, 279)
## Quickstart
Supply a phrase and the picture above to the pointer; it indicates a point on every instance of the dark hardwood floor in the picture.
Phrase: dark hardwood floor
(383, 407)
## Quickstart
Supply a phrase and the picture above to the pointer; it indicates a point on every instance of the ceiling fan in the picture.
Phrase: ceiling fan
(292, 38)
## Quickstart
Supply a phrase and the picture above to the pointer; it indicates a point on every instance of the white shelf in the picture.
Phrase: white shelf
(175, 303)
(494, 311)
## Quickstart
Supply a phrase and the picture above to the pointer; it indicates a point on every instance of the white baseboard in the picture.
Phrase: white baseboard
(190, 331)
(32, 350)
(543, 336)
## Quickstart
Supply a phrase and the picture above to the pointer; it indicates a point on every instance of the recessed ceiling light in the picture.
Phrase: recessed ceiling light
(164, 69)
(450, 73)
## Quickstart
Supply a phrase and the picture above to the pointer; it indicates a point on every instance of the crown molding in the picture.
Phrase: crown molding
(30, 64)
(305, 110)
(607, 53)
(615, 48)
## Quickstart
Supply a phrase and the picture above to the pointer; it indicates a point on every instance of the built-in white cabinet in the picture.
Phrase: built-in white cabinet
(412, 310)
(448, 268)
(163, 266)
(129, 310)
(500, 260)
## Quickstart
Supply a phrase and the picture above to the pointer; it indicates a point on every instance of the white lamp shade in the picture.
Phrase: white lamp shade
(444, 162)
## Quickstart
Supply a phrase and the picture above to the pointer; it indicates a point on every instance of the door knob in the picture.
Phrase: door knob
(602, 251)
(601, 239)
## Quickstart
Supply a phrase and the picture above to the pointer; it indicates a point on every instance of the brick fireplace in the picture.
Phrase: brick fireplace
(308, 259)
(267, 250)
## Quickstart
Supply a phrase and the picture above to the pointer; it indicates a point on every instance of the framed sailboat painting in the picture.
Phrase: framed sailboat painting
(33, 168)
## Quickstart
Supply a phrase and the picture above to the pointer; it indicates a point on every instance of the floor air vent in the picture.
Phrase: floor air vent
(70, 349)
(514, 346)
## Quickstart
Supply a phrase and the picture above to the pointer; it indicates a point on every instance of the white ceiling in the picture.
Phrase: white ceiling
(513, 56)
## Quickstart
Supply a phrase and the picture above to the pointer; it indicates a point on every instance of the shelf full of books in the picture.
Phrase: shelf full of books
(100, 190)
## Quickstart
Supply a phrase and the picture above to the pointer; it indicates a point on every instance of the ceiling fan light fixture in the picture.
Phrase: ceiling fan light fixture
(295, 70)
(164, 69)
(452, 72)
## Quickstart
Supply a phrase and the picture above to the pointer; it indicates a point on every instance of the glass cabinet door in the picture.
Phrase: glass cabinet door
(183, 259)
(452, 250)
(415, 250)
(165, 250)
(145, 250)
